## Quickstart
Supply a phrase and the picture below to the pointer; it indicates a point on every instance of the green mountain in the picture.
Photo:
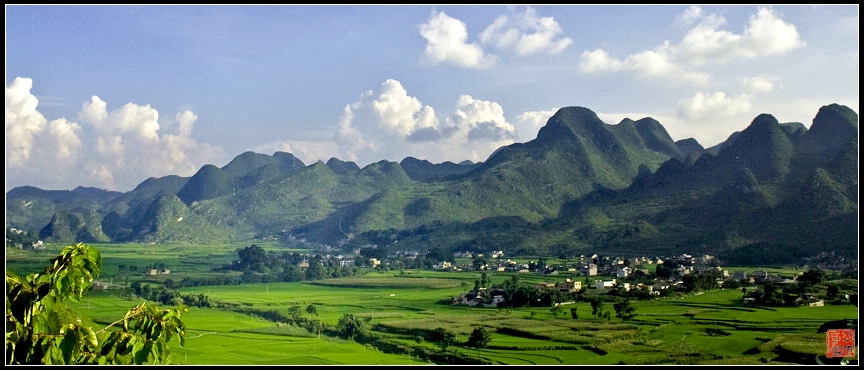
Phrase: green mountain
(30, 208)
(82, 225)
(423, 170)
(773, 189)
(342, 167)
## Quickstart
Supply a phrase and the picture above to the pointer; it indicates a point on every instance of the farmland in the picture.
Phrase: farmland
(402, 307)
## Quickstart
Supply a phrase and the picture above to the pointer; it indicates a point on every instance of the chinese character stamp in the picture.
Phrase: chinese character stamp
(840, 343)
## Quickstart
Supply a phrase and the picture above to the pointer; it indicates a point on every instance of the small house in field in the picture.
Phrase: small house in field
(442, 265)
(809, 301)
(604, 284)
(569, 286)
(346, 262)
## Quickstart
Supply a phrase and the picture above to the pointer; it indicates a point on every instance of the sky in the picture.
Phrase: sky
(108, 96)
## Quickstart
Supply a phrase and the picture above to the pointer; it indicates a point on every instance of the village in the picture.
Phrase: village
(622, 276)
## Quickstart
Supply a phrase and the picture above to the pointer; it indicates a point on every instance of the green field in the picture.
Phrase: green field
(711, 328)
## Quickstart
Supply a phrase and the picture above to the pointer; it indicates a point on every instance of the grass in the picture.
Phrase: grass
(714, 328)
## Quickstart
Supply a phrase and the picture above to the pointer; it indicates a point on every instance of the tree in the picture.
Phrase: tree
(664, 271)
(42, 330)
(443, 337)
(832, 292)
(811, 277)
(484, 280)
(574, 314)
(479, 262)
(479, 338)
(351, 327)
(315, 271)
(294, 311)
(596, 308)
(436, 254)
(624, 310)
(771, 295)
(252, 258)
(311, 310)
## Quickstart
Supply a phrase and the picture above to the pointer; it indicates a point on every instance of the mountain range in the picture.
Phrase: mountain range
(774, 192)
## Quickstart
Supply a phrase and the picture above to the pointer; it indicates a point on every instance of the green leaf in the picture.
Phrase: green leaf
(124, 348)
(91, 338)
(142, 352)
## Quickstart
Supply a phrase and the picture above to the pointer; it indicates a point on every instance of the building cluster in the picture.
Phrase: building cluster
(621, 274)
(17, 238)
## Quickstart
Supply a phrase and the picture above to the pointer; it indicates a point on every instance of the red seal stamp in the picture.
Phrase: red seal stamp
(840, 343)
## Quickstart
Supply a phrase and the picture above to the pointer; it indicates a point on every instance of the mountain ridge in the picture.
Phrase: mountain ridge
(580, 183)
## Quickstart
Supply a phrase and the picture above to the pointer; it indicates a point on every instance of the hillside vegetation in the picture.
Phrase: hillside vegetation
(628, 187)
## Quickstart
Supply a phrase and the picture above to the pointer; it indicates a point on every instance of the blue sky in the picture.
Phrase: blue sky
(108, 96)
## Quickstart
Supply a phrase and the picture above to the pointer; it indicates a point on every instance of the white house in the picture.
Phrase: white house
(442, 265)
(622, 272)
(604, 284)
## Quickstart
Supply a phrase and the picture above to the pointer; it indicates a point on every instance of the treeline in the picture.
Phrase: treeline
(168, 296)
(258, 266)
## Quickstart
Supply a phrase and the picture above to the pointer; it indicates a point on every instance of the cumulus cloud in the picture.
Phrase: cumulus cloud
(425, 134)
(23, 121)
(528, 124)
(117, 150)
(483, 119)
(400, 113)
(95, 111)
(759, 84)
(765, 34)
(525, 34)
(185, 119)
(446, 41)
(391, 124)
(349, 139)
(689, 16)
(702, 106)
(66, 137)
(648, 63)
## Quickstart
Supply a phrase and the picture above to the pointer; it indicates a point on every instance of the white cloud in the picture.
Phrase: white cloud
(401, 113)
(598, 60)
(122, 148)
(766, 34)
(393, 125)
(66, 140)
(528, 124)
(689, 16)
(185, 119)
(525, 34)
(701, 106)
(23, 121)
(446, 39)
(483, 120)
(759, 84)
(94, 112)
(349, 139)
(647, 63)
